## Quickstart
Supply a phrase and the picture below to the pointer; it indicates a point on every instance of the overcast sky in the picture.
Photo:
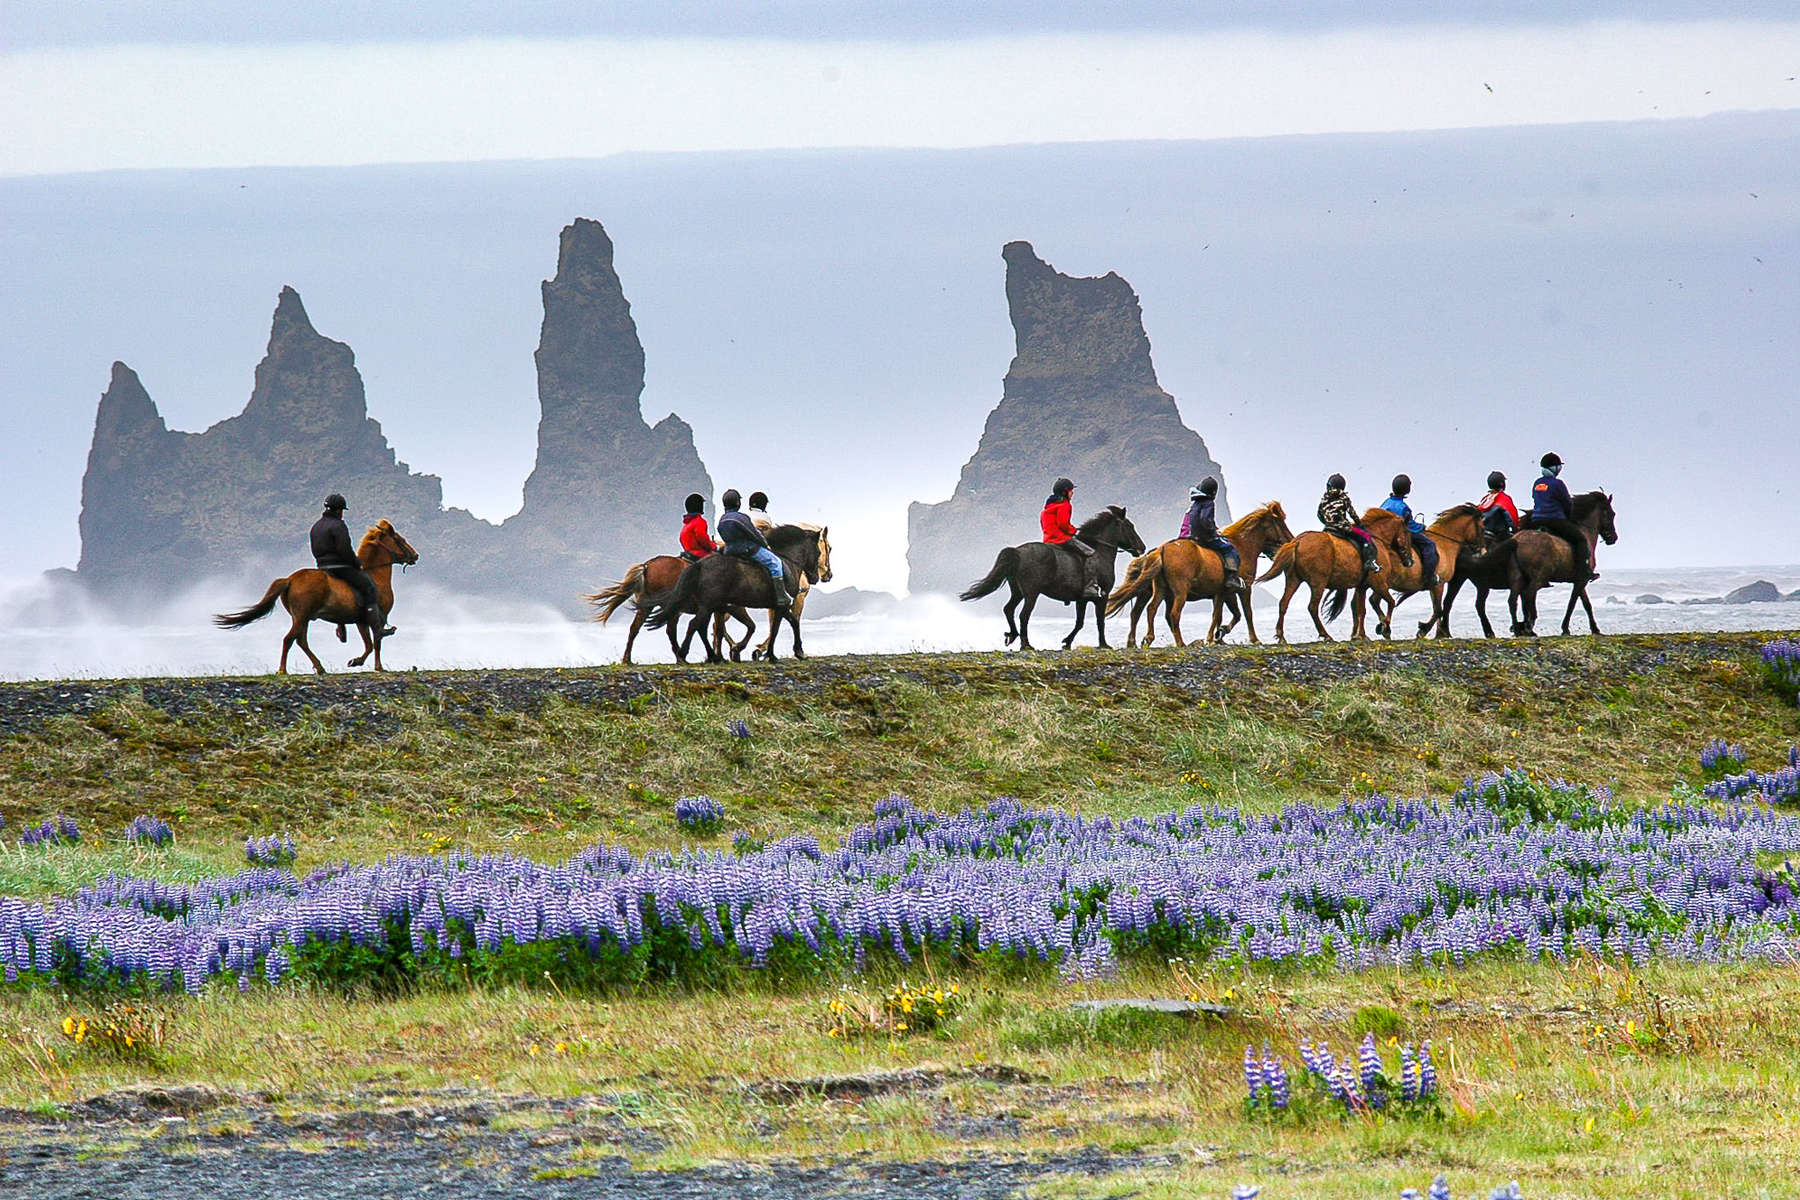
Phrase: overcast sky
(174, 268)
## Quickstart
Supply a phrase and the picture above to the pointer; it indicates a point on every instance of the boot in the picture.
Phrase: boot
(1234, 582)
(379, 623)
(1371, 564)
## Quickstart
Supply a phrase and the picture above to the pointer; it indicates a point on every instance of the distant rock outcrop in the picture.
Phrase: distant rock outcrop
(1760, 592)
(1081, 399)
(162, 508)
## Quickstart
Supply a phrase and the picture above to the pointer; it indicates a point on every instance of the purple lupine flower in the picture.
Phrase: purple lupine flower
(1440, 1189)
(699, 814)
(149, 830)
(737, 728)
(1427, 1072)
(1374, 1081)
(1275, 1076)
(1409, 1073)
(1253, 1075)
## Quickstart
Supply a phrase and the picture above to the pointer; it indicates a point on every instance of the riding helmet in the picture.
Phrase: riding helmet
(696, 503)
(1209, 486)
(1550, 460)
(1062, 486)
(731, 499)
(759, 499)
(336, 502)
(1335, 481)
(1402, 484)
(1496, 481)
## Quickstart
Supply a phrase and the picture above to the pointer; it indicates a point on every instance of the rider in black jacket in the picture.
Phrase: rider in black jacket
(336, 555)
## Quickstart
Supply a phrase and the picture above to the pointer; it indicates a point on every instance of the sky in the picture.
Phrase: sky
(1590, 221)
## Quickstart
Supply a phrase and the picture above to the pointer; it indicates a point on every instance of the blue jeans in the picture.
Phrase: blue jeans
(771, 562)
(1428, 553)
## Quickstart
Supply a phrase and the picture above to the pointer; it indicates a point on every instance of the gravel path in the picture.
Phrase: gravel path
(25, 707)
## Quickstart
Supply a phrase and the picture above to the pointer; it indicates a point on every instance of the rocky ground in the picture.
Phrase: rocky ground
(1200, 671)
(188, 1141)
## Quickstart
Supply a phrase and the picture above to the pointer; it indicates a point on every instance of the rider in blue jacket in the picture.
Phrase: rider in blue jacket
(1553, 511)
(743, 540)
(1396, 504)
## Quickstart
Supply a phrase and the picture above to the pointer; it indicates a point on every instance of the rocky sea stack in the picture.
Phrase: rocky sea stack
(162, 509)
(1081, 399)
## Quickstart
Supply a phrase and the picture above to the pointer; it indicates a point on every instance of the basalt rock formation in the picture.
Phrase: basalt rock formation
(1081, 399)
(162, 509)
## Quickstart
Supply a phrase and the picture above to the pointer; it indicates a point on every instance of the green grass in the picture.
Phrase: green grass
(1548, 1076)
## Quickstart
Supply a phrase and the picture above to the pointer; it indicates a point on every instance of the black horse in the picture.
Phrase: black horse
(720, 582)
(1040, 569)
(1522, 567)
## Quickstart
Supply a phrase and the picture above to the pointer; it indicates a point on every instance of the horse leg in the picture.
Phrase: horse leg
(318, 667)
(1312, 606)
(1177, 602)
(637, 623)
(1024, 634)
(1100, 623)
(1213, 634)
(288, 640)
(369, 644)
(1287, 595)
(1012, 603)
(1588, 605)
(1080, 620)
(1359, 610)
(1443, 614)
(793, 618)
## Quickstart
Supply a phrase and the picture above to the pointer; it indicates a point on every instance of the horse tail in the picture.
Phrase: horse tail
(1005, 564)
(1140, 573)
(668, 609)
(1284, 558)
(1334, 606)
(257, 611)
(610, 600)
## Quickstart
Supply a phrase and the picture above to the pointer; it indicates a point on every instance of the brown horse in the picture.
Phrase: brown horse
(1534, 558)
(646, 585)
(312, 595)
(1458, 534)
(1185, 570)
(1325, 562)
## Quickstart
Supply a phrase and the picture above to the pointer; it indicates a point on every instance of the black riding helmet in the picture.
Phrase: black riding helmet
(1063, 486)
(696, 503)
(1335, 481)
(731, 499)
(1209, 486)
(1550, 460)
(1402, 484)
(759, 499)
(335, 503)
(1496, 481)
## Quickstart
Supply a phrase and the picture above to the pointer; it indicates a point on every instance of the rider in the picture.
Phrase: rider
(1060, 531)
(1203, 527)
(759, 512)
(336, 556)
(1428, 553)
(1553, 511)
(696, 541)
(1338, 516)
(1499, 515)
(742, 540)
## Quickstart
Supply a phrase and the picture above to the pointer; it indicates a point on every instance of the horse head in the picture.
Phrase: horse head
(803, 547)
(1111, 527)
(1609, 532)
(1389, 530)
(1461, 524)
(383, 536)
(1267, 526)
(824, 555)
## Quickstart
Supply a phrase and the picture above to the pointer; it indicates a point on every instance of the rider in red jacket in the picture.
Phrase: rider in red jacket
(696, 541)
(1060, 531)
(1499, 515)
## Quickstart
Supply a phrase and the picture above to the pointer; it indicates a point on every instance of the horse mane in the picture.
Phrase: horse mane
(1378, 516)
(1457, 510)
(787, 537)
(1103, 517)
(1243, 523)
(1587, 502)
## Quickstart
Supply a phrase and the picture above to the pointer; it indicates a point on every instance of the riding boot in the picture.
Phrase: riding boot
(1371, 564)
(378, 623)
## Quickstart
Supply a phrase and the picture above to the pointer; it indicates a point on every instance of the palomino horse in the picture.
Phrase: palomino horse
(645, 585)
(1535, 558)
(1040, 569)
(1325, 562)
(1457, 533)
(767, 649)
(312, 595)
(722, 581)
(1185, 570)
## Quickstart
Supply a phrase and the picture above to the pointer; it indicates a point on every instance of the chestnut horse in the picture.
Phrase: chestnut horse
(1325, 562)
(1185, 570)
(312, 595)
(646, 585)
(1459, 535)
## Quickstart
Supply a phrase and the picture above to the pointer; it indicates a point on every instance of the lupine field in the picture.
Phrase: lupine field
(1509, 866)
(1459, 937)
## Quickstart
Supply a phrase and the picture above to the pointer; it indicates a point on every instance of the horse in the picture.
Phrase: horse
(720, 581)
(1326, 562)
(1535, 558)
(645, 585)
(1459, 534)
(1041, 569)
(1182, 569)
(312, 595)
(1473, 565)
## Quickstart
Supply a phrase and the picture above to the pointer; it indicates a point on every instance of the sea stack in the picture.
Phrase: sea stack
(1081, 399)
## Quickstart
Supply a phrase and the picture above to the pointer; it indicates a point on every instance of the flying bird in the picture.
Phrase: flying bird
(1488, 86)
